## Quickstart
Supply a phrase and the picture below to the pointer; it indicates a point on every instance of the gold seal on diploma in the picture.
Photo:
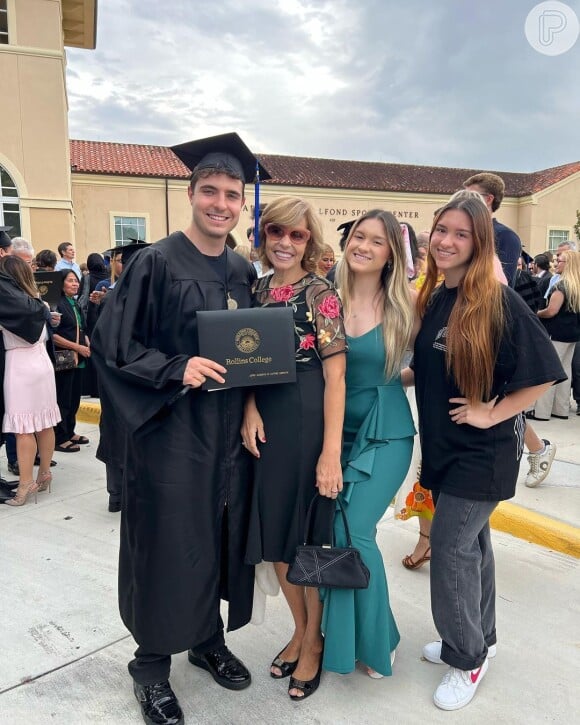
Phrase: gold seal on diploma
(247, 340)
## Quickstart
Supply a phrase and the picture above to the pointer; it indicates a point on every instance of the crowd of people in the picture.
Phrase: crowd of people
(448, 311)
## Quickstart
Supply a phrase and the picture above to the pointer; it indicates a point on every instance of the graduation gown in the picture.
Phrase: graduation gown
(21, 314)
(186, 488)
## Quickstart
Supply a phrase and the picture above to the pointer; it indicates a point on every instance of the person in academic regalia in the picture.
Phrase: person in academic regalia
(186, 482)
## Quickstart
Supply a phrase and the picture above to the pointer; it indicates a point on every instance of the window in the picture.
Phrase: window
(9, 203)
(3, 22)
(557, 236)
(128, 228)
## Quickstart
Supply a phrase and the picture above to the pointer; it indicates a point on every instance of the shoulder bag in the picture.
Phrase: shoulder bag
(66, 359)
(328, 565)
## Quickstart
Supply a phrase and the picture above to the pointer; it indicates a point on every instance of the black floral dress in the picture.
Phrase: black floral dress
(293, 415)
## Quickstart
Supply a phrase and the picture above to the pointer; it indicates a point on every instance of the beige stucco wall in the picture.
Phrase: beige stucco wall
(555, 209)
(34, 127)
(38, 24)
(97, 197)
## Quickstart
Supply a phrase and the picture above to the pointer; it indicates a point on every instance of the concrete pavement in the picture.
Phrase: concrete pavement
(64, 649)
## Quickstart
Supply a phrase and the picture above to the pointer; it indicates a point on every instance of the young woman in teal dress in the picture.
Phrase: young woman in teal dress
(377, 438)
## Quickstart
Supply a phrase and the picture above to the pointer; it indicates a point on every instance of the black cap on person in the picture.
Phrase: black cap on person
(5, 240)
(128, 250)
(226, 153)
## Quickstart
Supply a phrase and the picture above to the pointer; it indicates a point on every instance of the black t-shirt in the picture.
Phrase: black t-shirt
(459, 459)
(509, 247)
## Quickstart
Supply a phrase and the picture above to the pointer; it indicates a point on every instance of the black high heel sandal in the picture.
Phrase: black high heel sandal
(286, 668)
(307, 687)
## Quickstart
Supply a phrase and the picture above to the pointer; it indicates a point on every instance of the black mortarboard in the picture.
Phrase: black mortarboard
(5, 240)
(227, 153)
(344, 229)
(528, 259)
(128, 250)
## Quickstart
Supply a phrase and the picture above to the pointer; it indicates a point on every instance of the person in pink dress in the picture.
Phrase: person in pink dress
(31, 409)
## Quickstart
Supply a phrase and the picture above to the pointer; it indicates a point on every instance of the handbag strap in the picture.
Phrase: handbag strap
(330, 533)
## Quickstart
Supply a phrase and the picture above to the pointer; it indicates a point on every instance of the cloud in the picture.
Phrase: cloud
(451, 83)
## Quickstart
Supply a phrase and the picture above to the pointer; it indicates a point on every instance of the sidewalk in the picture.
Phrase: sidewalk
(64, 649)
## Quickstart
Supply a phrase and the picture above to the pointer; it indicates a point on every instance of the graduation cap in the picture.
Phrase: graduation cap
(528, 259)
(226, 153)
(344, 229)
(5, 240)
(128, 250)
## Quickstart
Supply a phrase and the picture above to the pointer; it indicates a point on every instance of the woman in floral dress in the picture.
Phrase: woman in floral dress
(294, 430)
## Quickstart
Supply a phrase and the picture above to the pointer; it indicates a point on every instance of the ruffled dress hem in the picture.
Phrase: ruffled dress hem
(30, 422)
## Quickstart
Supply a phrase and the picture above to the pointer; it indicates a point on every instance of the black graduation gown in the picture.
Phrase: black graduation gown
(21, 314)
(186, 496)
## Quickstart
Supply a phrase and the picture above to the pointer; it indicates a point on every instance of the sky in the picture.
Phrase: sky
(447, 83)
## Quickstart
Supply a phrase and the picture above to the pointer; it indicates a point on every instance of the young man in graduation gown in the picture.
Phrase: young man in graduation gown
(186, 479)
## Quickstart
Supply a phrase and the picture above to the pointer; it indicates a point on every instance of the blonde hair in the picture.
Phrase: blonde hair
(288, 211)
(476, 322)
(571, 279)
(397, 308)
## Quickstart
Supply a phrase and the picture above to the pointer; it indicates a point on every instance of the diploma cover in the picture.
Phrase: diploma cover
(255, 345)
(50, 287)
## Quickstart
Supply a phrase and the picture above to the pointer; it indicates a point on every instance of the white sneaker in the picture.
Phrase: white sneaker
(540, 464)
(458, 687)
(432, 652)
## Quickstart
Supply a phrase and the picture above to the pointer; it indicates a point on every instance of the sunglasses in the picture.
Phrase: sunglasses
(277, 232)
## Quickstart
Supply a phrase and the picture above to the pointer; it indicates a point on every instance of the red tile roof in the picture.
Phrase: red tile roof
(118, 159)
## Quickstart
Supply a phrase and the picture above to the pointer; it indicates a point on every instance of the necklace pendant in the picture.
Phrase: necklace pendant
(232, 304)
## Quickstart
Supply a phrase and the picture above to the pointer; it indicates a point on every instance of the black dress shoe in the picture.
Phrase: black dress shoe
(159, 706)
(8, 485)
(5, 495)
(14, 469)
(226, 669)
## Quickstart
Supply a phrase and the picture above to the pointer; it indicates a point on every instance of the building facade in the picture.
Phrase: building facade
(99, 194)
(35, 173)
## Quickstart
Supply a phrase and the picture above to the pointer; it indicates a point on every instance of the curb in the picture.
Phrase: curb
(508, 517)
(89, 412)
(536, 528)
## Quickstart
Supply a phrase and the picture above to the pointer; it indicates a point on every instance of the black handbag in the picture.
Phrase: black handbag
(328, 565)
(65, 360)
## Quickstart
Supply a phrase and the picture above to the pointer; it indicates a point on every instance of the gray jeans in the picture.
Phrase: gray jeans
(463, 580)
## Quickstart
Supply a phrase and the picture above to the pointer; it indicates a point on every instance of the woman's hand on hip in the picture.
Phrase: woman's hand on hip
(475, 413)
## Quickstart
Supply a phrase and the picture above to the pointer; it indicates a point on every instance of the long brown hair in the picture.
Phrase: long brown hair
(20, 272)
(476, 322)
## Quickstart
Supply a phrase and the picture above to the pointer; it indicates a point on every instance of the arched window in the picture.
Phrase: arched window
(9, 204)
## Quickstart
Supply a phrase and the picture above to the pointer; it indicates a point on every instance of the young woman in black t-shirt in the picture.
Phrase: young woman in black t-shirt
(476, 370)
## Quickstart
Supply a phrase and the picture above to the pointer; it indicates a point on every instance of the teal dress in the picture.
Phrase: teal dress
(378, 442)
